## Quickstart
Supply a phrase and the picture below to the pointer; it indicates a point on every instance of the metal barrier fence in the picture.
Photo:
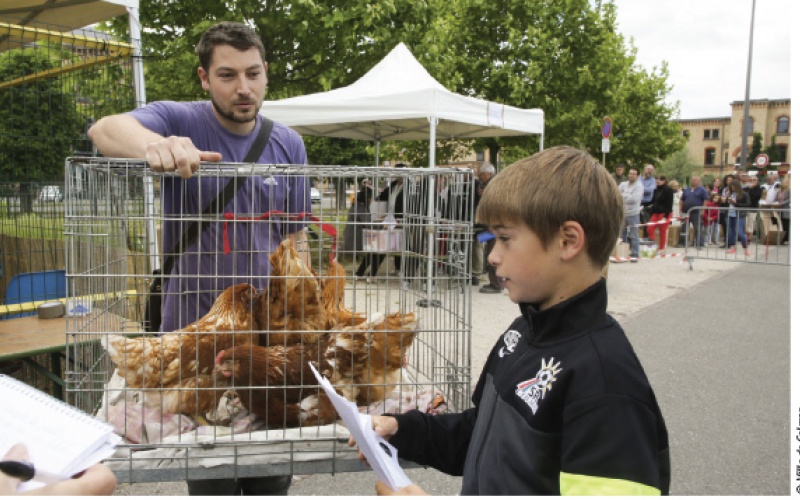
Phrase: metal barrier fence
(753, 235)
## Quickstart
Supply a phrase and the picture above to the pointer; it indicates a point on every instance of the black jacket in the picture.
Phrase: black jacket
(563, 406)
(662, 200)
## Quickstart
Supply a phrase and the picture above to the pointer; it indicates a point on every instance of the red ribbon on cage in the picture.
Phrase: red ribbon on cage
(326, 228)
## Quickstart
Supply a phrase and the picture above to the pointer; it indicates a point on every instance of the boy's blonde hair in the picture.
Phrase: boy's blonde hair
(554, 186)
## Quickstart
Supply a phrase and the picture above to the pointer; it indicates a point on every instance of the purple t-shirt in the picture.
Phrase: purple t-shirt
(203, 271)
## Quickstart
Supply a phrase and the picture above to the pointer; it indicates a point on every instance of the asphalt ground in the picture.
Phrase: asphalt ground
(715, 343)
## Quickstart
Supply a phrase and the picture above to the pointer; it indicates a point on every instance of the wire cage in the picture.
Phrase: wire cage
(376, 297)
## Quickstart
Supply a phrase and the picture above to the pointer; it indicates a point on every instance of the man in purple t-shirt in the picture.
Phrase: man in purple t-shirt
(176, 137)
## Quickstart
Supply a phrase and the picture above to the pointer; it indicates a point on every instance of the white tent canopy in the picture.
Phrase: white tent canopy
(399, 99)
(66, 15)
(69, 14)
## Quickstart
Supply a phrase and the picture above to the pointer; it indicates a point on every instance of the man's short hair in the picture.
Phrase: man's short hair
(554, 186)
(237, 35)
(486, 168)
(636, 169)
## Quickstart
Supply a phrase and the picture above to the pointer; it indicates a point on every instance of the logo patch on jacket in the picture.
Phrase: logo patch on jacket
(511, 338)
(534, 390)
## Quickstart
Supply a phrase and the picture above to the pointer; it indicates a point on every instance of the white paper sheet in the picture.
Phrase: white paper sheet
(382, 456)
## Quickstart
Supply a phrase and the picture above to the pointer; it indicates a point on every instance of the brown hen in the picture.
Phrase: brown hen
(161, 362)
(363, 363)
(333, 286)
(289, 308)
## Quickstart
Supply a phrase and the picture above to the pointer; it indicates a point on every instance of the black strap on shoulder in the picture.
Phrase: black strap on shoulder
(224, 197)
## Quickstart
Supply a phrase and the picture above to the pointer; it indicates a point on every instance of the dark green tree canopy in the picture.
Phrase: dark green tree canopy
(565, 57)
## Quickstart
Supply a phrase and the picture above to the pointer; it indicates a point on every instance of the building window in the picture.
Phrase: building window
(711, 133)
(686, 133)
(749, 125)
(780, 152)
(715, 133)
(479, 155)
(783, 125)
(711, 155)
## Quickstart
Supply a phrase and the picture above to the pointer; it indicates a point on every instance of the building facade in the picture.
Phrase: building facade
(716, 142)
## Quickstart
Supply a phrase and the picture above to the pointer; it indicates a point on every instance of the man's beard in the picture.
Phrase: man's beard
(230, 115)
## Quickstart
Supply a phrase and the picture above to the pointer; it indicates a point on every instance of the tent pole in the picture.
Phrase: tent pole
(377, 152)
(431, 212)
(135, 30)
(541, 140)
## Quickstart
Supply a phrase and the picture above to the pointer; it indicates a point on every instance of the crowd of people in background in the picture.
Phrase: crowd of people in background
(726, 211)
(722, 212)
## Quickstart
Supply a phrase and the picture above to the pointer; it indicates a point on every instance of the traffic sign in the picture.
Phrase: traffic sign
(605, 146)
(762, 160)
(606, 127)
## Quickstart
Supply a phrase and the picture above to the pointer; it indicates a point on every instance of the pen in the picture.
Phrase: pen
(26, 472)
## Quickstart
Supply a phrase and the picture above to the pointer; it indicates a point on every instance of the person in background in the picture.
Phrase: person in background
(770, 194)
(737, 201)
(711, 217)
(563, 405)
(495, 285)
(619, 174)
(694, 196)
(631, 191)
(648, 181)
(394, 196)
(359, 219)
(716, 186)
(661, 212)
(485, 173)
(784, 201)
(754, 192)
(176, 137)
(96, 480)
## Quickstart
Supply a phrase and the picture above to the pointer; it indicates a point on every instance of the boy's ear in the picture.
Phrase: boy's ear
(572, 240)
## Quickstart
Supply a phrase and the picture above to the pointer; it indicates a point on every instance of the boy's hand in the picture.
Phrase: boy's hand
(385, 427)
(412, 490)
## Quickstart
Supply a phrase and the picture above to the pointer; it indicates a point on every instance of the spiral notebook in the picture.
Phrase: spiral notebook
(60, 438)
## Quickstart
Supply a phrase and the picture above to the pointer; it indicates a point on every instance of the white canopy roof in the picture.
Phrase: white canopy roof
(395, 100)
(62, 14)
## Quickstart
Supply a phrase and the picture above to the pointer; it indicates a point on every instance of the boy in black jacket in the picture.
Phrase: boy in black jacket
(563, 405)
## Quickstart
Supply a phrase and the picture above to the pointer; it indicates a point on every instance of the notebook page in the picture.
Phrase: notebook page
(59, 437)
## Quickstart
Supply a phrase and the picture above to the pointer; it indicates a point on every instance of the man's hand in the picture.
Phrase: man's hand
(177, 154)
(411, 490)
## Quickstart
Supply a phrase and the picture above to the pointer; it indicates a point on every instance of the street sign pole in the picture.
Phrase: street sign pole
(606, 144)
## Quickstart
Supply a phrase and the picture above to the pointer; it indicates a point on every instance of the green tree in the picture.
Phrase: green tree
(679, 166)
(755, 149)
(40, 120)
(566, 58)
(562, 56)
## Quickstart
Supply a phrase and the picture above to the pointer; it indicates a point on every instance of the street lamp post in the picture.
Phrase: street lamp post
(745, 121)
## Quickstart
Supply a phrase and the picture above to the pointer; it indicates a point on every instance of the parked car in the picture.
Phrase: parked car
(316, 197)
(51, 193)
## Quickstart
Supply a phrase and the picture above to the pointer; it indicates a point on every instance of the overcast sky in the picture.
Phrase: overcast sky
(705, 43)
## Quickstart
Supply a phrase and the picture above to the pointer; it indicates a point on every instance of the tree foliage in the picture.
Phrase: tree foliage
(562, 56)
(680, 166)
(40, 120)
